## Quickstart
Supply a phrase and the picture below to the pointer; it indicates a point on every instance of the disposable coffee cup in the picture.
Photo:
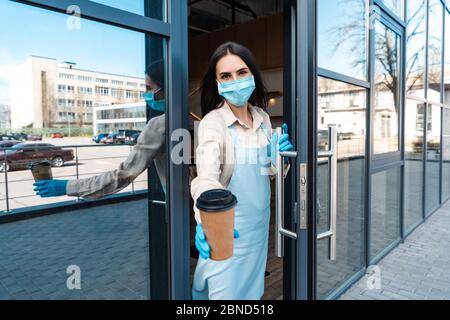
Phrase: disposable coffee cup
(217, 213)
(41, 170)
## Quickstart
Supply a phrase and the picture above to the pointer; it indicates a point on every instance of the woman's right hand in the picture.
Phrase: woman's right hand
(51, 188)
(202, 245)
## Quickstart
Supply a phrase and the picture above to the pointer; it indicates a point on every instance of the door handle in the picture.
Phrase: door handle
(280, 231)
(331, 154)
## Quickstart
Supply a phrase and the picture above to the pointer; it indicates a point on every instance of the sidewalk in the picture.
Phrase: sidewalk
(417, 269)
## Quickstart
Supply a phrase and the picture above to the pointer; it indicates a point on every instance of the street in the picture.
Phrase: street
(92, 161)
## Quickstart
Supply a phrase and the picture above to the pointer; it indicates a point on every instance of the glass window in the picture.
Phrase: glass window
(110, 245)
(433, 157)
(415, 47)
(343, 37)
(387, 91)
(435, 50)
(414, 148)
(385, 210)
(344, 106)
(151, 8)
(396, 6)
(447, 60)
(446, 155)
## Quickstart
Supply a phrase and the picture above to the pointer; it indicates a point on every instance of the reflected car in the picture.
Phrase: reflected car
(20, 136)
(99, 137)
(111, 138)
(5, 137)
(9, 143)
(124, 136)
(34, 137)
(57, 135)
(23, 154)
(133, 139)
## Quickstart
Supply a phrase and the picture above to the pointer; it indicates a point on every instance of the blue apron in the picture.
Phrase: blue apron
(242, 276)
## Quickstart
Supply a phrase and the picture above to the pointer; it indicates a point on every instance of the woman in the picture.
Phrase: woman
(150, 147)
(234, 138)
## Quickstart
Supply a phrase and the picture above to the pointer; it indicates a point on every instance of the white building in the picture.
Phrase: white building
(48, 94)
(5, 116)
(111, 118)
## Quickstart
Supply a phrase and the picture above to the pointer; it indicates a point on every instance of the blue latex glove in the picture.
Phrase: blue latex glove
(283, 142)
(51, 188)
(202, 245)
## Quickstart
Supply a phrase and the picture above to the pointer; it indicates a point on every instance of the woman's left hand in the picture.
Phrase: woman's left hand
(283, 142)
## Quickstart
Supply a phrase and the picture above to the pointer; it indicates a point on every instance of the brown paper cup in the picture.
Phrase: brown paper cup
(219, 232)
(41, 171)
(217, 213)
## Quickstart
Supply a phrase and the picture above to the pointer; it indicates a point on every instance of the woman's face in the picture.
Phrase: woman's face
(151, 86)
(230, 68)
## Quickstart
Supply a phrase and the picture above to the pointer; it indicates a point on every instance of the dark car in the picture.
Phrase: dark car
(22, 155)
(134, 138)
(111, 138)
(34, 137)
(99, 137)
(124, 136)
(20, 136)
(5, 137)
(9, 143)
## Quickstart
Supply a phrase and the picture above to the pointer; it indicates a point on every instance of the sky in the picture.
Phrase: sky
(27, 30)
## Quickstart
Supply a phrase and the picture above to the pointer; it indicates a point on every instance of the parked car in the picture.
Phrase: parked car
(9, 143)
(23, 154)
(99, 137)
(57, 135)
(133, 139)
(20, 136)
(34, 137)
(5, 137)
(111, 138)
(124, 136)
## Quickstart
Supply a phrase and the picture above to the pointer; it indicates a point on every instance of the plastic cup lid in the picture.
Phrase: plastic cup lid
(216, 200)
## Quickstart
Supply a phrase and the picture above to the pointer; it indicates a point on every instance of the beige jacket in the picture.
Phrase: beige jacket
(150, 147)
(215, 151)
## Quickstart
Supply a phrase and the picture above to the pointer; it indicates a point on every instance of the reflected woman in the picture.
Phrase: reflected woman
(150, 147)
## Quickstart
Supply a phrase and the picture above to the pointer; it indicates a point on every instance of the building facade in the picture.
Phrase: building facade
(5, 116)
(46, 93)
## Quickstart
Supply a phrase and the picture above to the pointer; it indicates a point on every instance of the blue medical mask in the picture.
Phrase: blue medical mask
(239, 91)
(157, 105)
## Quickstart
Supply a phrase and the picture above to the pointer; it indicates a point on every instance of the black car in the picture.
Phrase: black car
(124, 136)
(133, 139)
(5, 137)
(20, 136)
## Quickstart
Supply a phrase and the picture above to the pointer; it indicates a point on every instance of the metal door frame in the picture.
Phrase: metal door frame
(174, 31)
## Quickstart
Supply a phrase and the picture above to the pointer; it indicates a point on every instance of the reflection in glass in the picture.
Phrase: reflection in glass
(435, 50)
(446, 155)
(433, 158)
(386, 96)
(385, 210)
(414, 143)
(344, 106)
(55, 80)
(447, 60)
(343, 37)
(150, 8)
(415, 47)
(397, 6)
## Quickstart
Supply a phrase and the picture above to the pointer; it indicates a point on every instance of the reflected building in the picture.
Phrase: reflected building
(46, 93)
(5, 116)
(110, 118)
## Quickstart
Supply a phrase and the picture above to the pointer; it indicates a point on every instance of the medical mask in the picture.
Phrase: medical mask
(239, 91)
(157, 105)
